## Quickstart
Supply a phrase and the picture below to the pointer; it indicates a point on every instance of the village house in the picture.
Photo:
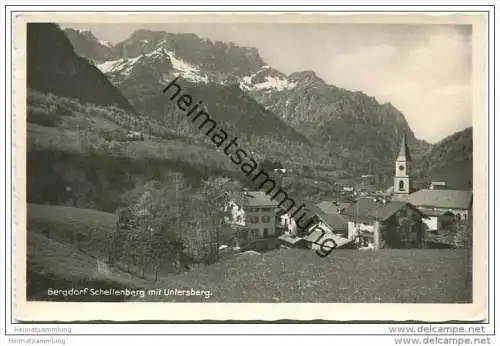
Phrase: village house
(257, 215)
(327, 223)
(254, 225)
(437, 204)
(329, 214)
(329, 228)
(260, 214)
(376, 224)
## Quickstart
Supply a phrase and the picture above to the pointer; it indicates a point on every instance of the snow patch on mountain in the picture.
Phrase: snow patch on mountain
(105, 43)
(82, 31)
(274, 83)
(125, 66)
(187, 70)
(270, 83)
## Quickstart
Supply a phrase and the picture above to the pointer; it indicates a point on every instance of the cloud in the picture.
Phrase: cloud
(428, 82)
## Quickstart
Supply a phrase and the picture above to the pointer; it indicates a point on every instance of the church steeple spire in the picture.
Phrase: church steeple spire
(402, 182)
(403, 151)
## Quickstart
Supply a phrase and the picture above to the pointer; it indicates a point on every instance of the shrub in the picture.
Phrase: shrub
(41, 116)
(64, 109)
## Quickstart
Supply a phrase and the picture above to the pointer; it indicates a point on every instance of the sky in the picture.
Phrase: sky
(423, 70)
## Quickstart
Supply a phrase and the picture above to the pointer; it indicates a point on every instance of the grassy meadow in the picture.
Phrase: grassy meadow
(345, 276)
(53, 258)
(64, 224)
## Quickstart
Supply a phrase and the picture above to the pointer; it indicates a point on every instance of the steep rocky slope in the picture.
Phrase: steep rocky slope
(54, 67)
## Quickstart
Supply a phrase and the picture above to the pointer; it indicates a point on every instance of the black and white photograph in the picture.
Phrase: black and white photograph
(249, 162)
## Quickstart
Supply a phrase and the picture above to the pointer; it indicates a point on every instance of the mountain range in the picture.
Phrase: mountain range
(358, 133)
(298, 120)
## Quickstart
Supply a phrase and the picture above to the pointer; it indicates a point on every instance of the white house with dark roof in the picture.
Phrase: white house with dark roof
(377, 224)
(435, 203)
(260, 214)
(328, 226)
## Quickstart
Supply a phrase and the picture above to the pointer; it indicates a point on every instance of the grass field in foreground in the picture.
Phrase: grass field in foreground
(64, 223)
(345, 276)
(51, 264)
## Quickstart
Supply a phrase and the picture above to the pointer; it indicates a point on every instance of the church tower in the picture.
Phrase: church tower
(402, 182)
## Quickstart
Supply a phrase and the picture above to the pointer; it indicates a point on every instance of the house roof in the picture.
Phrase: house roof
(327, 206)
(385, 211)
(368, 209)
(327, 212)
(344, 205)
(259, 199)
(332, 207)
(453, 199)
(361, 208)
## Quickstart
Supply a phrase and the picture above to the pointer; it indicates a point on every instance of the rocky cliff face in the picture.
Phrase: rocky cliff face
(350, 124)
(54, 67)
(87, 45)
(211, 57)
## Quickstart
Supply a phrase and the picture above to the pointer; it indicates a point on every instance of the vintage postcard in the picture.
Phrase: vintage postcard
(250, 167)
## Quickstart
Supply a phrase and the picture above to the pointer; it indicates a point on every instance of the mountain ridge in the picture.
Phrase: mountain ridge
(451, 160)
(363, 133)
(54, 67)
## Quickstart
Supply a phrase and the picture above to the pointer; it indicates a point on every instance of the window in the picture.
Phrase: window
(254, 233)
(403, 213)
(266, 233)
(266, 219)
(401, 185)
(401, 168)
(253, 219)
